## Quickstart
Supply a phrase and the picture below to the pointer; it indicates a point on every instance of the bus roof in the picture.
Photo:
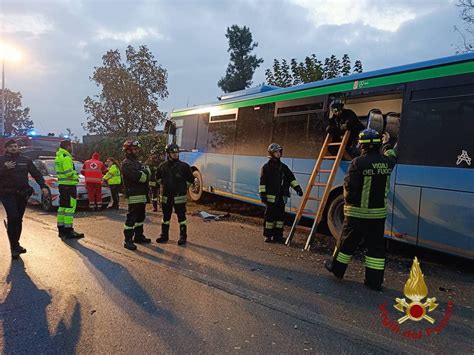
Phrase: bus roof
(458, 64)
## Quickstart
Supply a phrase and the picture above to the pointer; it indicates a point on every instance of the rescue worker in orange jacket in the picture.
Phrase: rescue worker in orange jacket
(93, 171)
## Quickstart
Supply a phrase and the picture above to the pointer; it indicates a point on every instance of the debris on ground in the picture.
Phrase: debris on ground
(210, 217)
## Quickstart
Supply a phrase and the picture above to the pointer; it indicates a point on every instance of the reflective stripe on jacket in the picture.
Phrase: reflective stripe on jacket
(135, 178)
(367, 184)
(113, 175)
(275, 180)
(92, 171)
(65, 170)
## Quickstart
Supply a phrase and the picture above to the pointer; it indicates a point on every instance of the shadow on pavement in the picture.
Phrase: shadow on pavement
(25, 320)
(120, 278)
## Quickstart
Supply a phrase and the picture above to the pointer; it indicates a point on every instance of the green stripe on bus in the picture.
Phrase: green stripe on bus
(423, 74)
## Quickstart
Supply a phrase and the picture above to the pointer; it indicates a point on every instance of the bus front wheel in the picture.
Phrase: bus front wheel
(195, 191)
(335, 217)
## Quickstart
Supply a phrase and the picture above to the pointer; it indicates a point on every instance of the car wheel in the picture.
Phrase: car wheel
(195, 191)
(335, 217)
(47, 202)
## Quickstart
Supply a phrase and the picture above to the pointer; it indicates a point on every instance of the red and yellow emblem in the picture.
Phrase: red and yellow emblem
(415, 289)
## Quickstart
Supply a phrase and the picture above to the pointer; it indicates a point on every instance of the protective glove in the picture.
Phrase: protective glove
(299, 191)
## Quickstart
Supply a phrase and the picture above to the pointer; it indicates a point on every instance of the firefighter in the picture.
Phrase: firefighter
(365, 191)
(275, 181)
(93, 171)
(135, 179)
(341, 120)
(67, 183)
(153, 163)
(15, 191)
(174, 177)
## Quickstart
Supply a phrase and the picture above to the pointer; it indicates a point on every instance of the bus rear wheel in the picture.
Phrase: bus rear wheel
(195, 191)
(335, 217)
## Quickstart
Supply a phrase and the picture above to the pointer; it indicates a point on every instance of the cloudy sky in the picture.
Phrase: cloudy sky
(62, 40)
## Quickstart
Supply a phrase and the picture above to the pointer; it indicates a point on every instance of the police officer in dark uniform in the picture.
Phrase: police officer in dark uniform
(135, 179)
(174, 177)
(365, 191)
(341, 120)
(15, 191)
(153, 163)
(275, 181)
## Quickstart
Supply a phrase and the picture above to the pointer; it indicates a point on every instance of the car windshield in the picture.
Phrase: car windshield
(52, 171)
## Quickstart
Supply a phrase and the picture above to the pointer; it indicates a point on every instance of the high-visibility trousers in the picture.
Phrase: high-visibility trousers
(67, 206)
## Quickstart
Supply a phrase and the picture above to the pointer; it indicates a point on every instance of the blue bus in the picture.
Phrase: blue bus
(427, 107)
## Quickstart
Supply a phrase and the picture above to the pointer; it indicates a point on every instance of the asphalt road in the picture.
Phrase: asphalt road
(225, 292)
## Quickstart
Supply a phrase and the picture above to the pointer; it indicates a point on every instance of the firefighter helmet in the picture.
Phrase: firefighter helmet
(131, 144)
(274, 147)
(172, 148)
(369, 137)
(337, 105)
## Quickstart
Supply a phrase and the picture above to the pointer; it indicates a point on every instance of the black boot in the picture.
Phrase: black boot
(60, 231)
(128, 244)
(140, 239)
(182, 235)
(164, 236)
(77, 235)
(329, 265)
(17, 250)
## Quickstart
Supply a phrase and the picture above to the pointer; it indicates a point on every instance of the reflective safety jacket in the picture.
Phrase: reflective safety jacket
(113, 176)
(174, 177)
(367, 184)
(93, 169)
(65, 170)
(275, 181)
(135, 179)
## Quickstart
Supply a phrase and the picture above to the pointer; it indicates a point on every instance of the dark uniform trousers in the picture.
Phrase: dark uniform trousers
(135, 219)
(15, 205)
(274, 219)
(179, 205)
(115, 190)
(355, 230)
(154, 191)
